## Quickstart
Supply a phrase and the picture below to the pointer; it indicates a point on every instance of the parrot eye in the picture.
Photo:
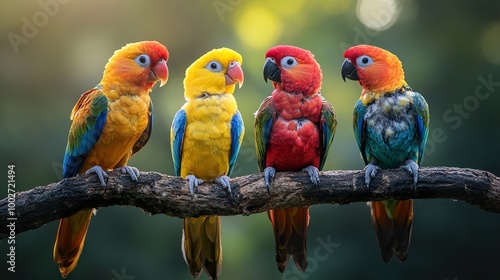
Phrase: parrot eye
(143, 60)
(214, 66)
(288, 62)
(364, 61)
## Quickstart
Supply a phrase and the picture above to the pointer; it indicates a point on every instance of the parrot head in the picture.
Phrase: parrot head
(292, 69)
(376, 69)
(216, 72)
(138, 66)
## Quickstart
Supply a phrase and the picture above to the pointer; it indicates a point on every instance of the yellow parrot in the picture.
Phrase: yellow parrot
(205, 139)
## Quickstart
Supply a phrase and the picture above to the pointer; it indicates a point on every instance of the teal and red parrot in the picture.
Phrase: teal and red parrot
(294, 128)
(111, 122)
(391, 124)
(206, 136)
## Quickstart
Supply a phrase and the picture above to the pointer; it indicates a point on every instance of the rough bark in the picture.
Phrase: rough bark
(158, 193)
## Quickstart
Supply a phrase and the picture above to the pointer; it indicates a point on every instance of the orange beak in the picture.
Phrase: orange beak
(234, 74)
(159, 72)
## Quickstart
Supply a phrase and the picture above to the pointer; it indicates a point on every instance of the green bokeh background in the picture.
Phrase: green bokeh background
(445, 46)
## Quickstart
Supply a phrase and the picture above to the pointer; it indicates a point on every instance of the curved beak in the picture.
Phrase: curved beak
(349, 71)
(234, 74)
(271, 71)
(159, 72)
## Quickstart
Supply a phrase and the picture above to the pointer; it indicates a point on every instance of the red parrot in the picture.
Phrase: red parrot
(294, 128)
(111, 122)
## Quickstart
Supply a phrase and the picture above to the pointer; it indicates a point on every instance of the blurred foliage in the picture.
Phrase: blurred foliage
(448, 50)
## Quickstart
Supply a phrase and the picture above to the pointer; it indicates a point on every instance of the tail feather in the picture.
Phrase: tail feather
(290, 232)
(202, 248)
(393, 222)
(402, 228)
(70, 239)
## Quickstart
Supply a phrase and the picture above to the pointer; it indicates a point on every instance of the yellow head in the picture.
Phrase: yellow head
(216, 72)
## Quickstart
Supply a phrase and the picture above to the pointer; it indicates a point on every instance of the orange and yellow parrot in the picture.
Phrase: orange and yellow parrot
(294, 128)
(391, 124)
(111, 122)
(205, 139)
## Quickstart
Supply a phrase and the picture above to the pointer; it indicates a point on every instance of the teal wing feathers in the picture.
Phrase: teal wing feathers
(422, 118)
(328, 126)
(359, 125)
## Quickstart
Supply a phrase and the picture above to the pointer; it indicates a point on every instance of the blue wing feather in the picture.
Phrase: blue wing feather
(85, 130)
(176, 139)
(237, 131)
(267, 130)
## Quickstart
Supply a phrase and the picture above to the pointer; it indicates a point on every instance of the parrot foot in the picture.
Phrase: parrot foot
(370, 172)
(269, 176)
(224, 181)
(193, 183)
(412, 167)
(99, 172)
(313, 174)
(130, 170)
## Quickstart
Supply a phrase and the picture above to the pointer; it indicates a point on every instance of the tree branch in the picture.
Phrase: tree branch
(157, 193)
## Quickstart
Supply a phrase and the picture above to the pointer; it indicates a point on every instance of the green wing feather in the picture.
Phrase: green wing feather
(263, 122)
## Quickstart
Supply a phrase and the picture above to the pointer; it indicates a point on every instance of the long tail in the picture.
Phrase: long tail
(290, 234)
(393, 220)
(69, 240)
(202, 246)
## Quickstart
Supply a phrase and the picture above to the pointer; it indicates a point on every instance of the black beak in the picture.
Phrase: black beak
(349, 71)
(272, 72)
